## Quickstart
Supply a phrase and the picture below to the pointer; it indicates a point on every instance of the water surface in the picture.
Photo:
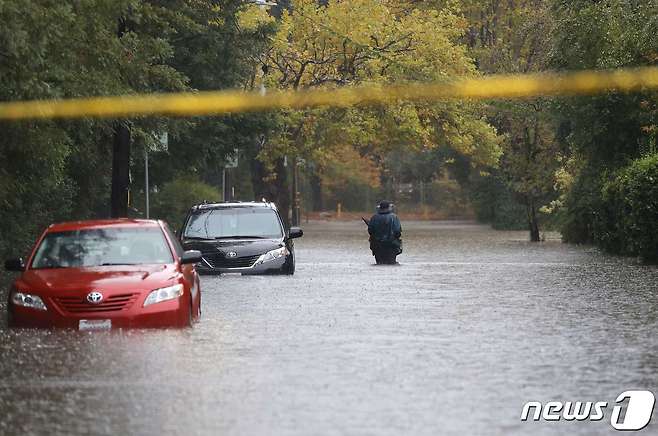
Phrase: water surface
(469, 327)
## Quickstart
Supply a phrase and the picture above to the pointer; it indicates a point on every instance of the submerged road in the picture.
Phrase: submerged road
(455, 340)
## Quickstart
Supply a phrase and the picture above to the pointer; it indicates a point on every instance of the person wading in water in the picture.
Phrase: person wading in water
(385, 233)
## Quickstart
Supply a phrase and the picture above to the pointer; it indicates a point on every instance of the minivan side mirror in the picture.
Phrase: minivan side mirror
(191, 256)
(295, 232)
(15, 264)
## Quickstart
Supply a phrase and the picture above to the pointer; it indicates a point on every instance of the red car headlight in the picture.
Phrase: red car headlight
(28, 300)
(164, 294)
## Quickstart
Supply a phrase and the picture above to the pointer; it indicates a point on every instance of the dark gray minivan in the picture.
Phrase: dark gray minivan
(240, 237)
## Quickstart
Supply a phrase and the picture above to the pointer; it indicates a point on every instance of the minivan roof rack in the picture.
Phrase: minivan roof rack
(207, 205)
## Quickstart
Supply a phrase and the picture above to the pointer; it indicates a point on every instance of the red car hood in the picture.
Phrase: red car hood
(63, 281)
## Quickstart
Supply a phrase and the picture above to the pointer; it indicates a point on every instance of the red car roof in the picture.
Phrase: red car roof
(90, 224)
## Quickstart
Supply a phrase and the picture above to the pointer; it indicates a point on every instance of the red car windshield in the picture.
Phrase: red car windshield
(102, 247)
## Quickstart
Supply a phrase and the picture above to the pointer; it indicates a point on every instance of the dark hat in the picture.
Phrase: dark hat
(384, 206)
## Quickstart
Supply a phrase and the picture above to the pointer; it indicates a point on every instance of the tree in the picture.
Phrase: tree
(55, 170)
(608, 132)
(319, 46)
(510, 37)
(216, 47)
(531, 160)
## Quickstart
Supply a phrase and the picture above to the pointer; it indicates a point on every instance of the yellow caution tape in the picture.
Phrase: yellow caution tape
(222, 102)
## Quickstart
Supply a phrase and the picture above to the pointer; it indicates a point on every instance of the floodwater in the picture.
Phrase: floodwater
(455, 340)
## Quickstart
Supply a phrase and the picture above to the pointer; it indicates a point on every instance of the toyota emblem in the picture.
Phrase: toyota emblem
(231, 254)
(95, 297)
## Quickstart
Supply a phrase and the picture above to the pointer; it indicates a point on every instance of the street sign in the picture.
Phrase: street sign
(163, 138)
(156, 141)
(232, 159)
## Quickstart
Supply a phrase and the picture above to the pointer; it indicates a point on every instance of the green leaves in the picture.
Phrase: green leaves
(607, 132)
(629, 222)
(54, 49)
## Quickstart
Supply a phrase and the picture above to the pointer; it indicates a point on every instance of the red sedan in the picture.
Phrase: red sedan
(106, 274)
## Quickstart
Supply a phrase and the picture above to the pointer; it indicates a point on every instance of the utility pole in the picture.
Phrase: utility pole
(227, 185)
(146, 182)
(224, 184)
(231, 161)
(295, 192)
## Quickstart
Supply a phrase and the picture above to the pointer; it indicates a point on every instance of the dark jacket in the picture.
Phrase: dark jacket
(385, 230)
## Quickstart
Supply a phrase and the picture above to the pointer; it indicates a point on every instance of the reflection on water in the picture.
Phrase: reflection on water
(473, 324)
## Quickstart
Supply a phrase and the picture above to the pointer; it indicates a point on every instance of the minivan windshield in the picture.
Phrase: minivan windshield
(102, 247)
(239, 222)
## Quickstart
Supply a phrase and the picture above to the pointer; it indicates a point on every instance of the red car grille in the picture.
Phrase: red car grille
(114, 303)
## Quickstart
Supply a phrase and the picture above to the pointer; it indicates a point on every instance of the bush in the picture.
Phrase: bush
(582, 208)
(628, 222)
(175, 198)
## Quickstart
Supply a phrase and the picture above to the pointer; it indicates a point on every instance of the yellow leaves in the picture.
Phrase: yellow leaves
(217, 20)
(434, 51)
(348, 42)
(346, 167)
(253, 16)
(563, 179)
(378, 42)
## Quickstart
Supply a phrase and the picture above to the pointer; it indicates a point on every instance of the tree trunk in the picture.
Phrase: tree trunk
(282, 192)
(258, 175)
(296, 206)
(276, 190)
(532, 222)
(316, 191)
(227, 195)
(120, 170)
